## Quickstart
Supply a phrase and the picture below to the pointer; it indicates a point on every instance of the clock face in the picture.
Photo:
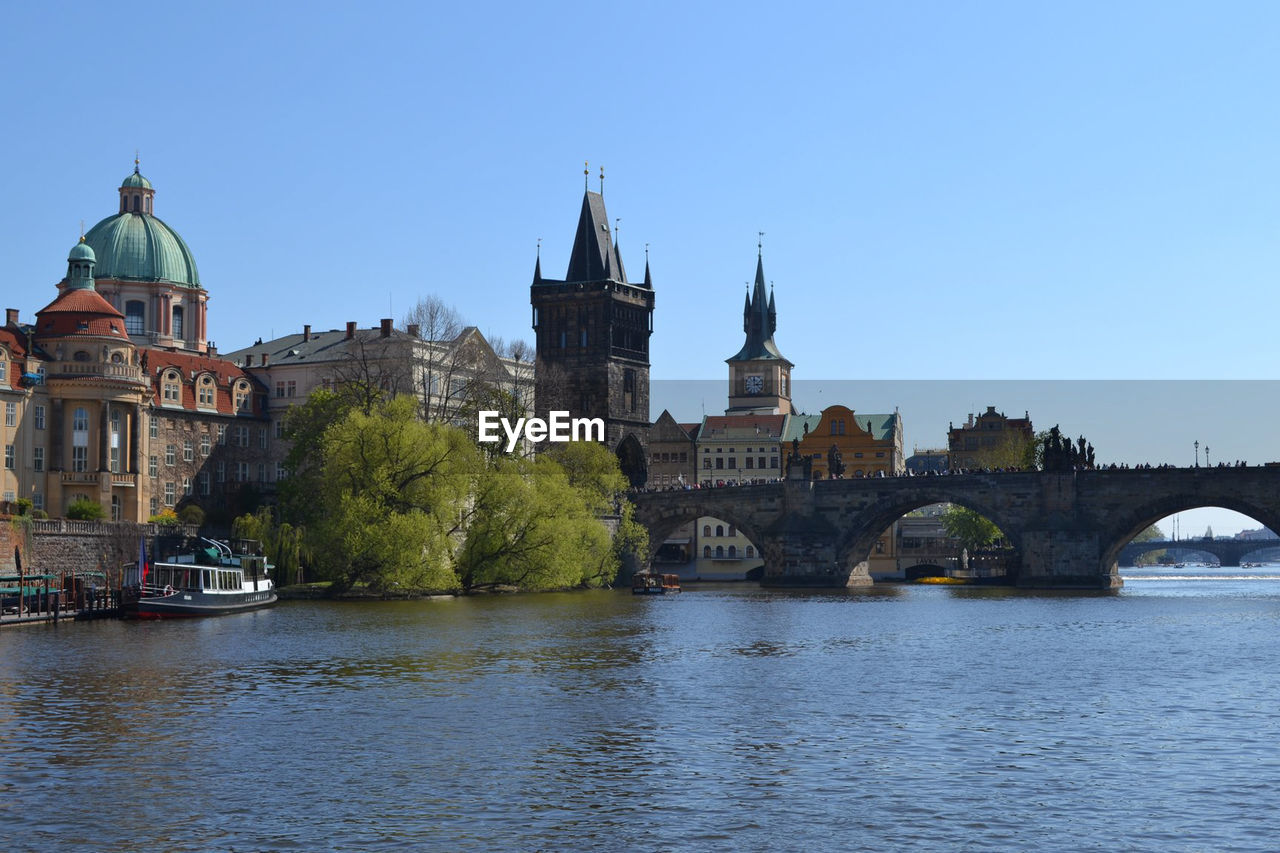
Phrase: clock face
(755, 383)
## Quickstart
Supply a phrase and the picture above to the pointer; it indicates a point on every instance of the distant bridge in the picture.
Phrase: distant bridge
(1230, 552)
(1067, 529)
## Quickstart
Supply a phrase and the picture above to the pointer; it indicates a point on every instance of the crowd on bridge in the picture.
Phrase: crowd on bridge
(946, 472)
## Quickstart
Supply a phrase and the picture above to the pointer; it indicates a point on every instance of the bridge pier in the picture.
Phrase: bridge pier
(1065, 559)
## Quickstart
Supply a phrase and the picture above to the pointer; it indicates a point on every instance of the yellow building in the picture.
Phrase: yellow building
(868, 445)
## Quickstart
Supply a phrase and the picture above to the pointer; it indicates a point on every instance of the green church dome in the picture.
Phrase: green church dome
(81, 252)
(136, 180)
(135, 245)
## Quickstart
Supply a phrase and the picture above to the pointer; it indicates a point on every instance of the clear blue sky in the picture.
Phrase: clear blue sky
(947, 191)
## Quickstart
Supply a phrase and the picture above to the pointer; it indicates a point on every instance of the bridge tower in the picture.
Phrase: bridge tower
(759, 375)
(592, 339)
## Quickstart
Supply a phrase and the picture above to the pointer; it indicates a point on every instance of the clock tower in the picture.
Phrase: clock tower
(759, 375)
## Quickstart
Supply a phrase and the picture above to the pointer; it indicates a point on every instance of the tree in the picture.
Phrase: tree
(395, 492)
(1150, 534)
(531, 528)
(973, 529)
(305, 426)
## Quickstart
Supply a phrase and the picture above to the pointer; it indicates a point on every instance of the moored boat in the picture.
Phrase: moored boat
(651, 583)
(207, 578)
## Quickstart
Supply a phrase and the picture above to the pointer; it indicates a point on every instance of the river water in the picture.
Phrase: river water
(725, 718)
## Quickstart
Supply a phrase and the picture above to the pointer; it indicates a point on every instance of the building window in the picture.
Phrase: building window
(203, 479)
(751, 462)
(720, 551)
(279, 428)
(206, 393)
(204, 444)
(10, 413)
(135, 317)
(291, 388)
(10, 460)
(177, 321)
(170, 454)
(79, 459)
(115, 507)
(169, 492)
(155, 506)
(188, 452)
(80, 421)
(222, 433)
(262, 437)
(751, 552)
(221, 472)
(733, 551)
(39, 417)
(279, 387)
(733, 462)
(706, 530)
(153, 466)
(242, 472)
(186, 485)
(153, 427)
(280, 471)
(706, 551)
(37, 500)
(720, 530)
(37, 459)
(262, 472)
(242, 436)
(4, 370)
(706, 463)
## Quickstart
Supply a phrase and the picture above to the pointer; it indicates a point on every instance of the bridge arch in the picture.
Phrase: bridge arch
(858, 541)
(1127, 525)
(661, 520)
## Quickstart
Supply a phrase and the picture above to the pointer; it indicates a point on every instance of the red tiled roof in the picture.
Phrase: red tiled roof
(79, 311)
(191, 366)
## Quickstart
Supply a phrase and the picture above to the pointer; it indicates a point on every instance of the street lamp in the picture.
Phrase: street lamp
(1197, 454)
(1206, 456)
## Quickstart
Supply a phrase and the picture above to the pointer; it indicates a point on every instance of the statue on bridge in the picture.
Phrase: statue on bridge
(835, 463)
(798, 462)
(1061, 454)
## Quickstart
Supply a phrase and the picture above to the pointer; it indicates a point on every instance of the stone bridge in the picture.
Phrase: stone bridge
(1230, 552)
(1067, 528)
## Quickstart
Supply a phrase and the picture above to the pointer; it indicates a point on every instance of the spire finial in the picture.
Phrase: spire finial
(759, 242)
(615, 221)
(602, 180)
(81, 230)
(586, 174)
(539, 248)
(646, 253)
(136, 161)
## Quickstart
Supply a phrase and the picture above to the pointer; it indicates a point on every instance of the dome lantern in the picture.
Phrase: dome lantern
(80, 263)
(136, 193)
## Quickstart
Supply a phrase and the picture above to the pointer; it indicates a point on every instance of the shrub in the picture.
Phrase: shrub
(39, 513)
(191, 514)
(166, 517)
(24, 506)
(83, 509)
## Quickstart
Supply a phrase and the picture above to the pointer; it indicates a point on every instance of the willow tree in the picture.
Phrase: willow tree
(530, 528)
(396, 491)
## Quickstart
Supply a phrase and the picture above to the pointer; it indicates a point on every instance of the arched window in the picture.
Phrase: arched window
(172, 387)
(177, 321)
(751, 552)
(136, 202)
(720, 551)
(733, 551)
(706, 530)
(732, 530)
(706, 550)
(135, 317)
(719, 529)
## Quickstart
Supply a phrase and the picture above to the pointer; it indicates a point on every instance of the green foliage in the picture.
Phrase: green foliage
(282, 543)
(84, 509)
(23, 506)
(593, 468)
(191, 514)
(394, 491)
(1151, 534)
(305, 427)
(971, 528)
(531, 528)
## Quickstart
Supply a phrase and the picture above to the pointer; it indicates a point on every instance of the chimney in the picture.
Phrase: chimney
(351, 329)
(248, 360)
(306, 333)
(413, 330)
(11, 316)
(265, 356)
(386, 327)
